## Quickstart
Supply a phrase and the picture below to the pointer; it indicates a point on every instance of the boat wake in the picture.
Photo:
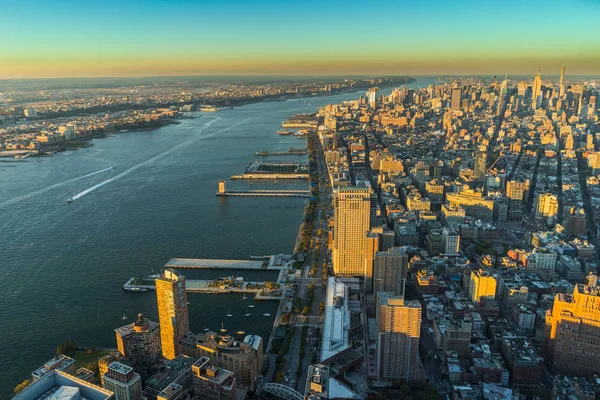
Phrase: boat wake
(149, 161)
(56, 185)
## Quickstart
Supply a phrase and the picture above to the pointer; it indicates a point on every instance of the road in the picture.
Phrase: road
(313, 319)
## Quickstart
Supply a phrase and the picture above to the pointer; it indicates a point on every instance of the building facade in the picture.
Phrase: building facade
(123, 382)
(352, 212)
(398, 333)
(573, 331)
(140, 343)
(172, 311)
(390, 270)
(211, 382)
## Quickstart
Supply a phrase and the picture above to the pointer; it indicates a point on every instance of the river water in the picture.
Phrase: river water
(63, 265)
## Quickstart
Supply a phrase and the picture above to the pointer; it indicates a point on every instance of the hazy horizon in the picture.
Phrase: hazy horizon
(155, 38)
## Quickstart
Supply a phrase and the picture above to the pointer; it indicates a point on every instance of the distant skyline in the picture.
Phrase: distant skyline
(113, 38)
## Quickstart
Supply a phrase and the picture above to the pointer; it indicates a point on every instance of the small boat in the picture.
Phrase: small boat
(124, 317)
(188, 303)
(267, 314)
(245, 297)
(69, 200)
(223, 328)
(241, 332)
(247, 315)
(206, 329)
(229, 314)
(251, 306)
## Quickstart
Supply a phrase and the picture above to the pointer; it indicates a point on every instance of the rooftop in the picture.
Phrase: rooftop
(336, 326)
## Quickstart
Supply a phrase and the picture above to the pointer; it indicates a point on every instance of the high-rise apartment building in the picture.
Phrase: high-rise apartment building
(390, 270)
(211, 382)
(372, 97)
(243, 358)
(573, 331)
(398, 333)
(123, 382)
(456, 99)
(515, 191)
(450, 242)
(482, 286)
(352, 212)
(371, 249)
(172, 311)
(139, 342)
(546, 206)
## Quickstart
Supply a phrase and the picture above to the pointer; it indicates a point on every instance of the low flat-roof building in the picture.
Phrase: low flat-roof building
(59, 363)
(63, 386)
(336, 325)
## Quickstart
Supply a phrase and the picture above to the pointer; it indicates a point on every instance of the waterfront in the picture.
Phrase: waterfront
(62, 266)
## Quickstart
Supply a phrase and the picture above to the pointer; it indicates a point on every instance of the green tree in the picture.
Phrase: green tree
(21, 386)
(306, 310)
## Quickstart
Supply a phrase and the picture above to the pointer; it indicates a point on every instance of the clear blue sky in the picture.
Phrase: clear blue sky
(101, 38)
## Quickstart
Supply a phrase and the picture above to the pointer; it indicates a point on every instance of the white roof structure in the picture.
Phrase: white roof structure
(336, 327)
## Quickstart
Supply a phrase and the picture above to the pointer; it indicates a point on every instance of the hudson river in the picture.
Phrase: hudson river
(62, 266)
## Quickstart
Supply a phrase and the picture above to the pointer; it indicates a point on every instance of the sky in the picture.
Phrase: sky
(68, 38)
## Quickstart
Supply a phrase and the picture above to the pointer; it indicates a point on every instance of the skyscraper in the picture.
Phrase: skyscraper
(537, 87)
(479, 163)
(172, 311)
(515, 191)
(503, 94)
(372, 97)
(573, 329)
(389, 272)
(352, 209)
(140, 343)
(123, 382)
(456, 99)
(561, 84)
(371, 248)
(398, 333)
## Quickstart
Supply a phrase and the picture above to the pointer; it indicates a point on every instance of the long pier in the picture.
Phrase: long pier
(266, 193)
(270, 176)
(281, 153)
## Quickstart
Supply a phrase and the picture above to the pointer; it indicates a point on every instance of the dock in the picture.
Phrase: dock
(281, 153)
(266, 193)
(222, 191)
(277, 262)
(203, 286)
(270, 176)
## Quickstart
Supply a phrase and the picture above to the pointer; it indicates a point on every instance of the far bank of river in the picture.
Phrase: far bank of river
(63, 265)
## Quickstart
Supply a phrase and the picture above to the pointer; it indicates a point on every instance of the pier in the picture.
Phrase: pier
(277, 262)
(261, 192)
(281, 153)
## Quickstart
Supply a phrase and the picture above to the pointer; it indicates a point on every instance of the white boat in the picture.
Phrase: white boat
(251, 306)
(124, 317)
(229, 314)
(206, 329)
(267, 314)
(245, 297)
(248, 315)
